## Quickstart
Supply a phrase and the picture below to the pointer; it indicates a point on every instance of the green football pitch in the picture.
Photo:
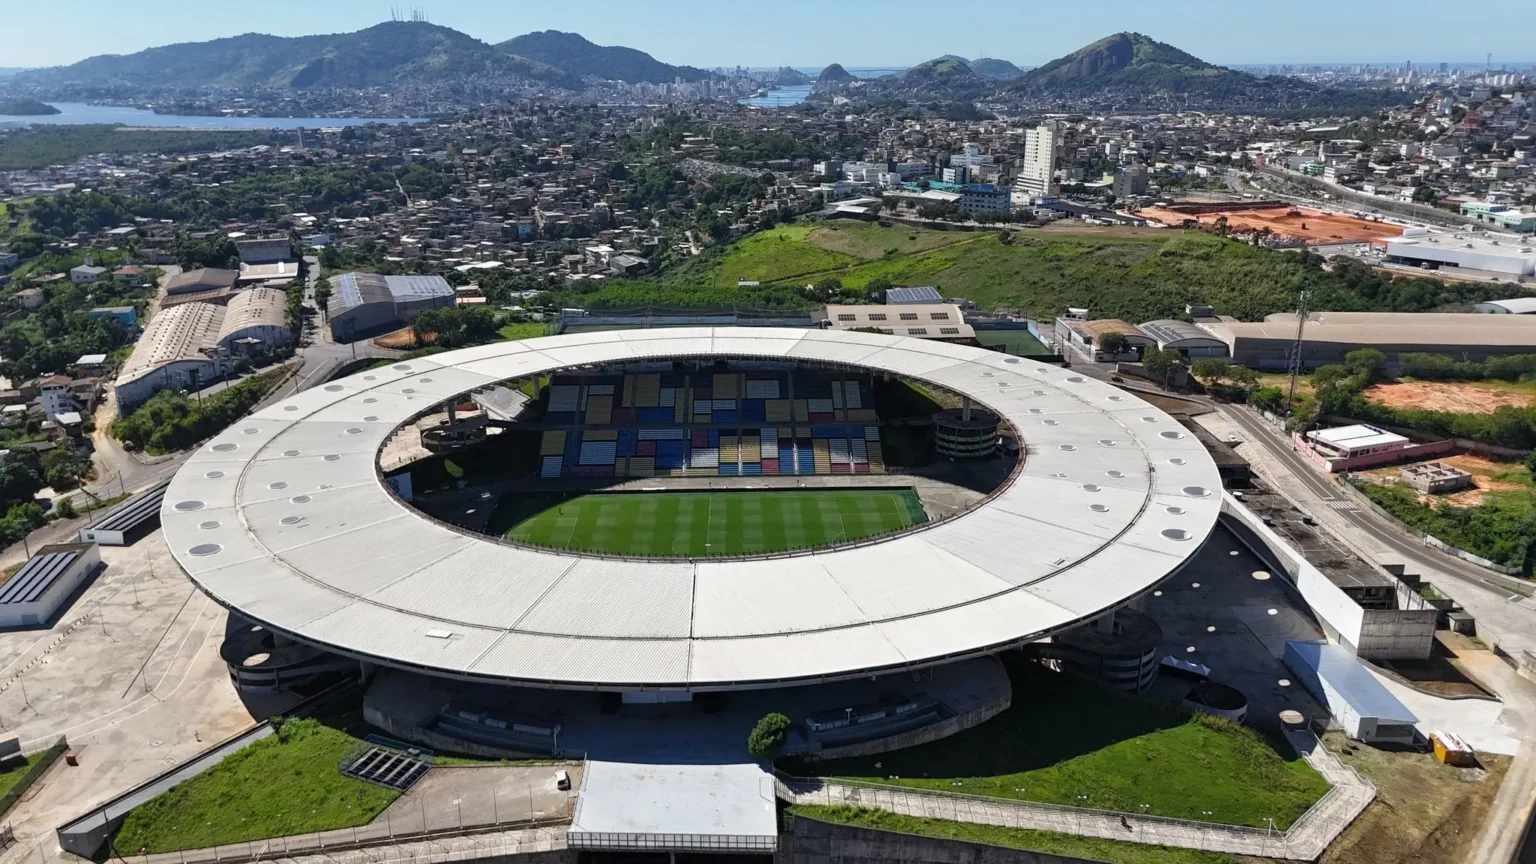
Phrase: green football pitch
(703, 524)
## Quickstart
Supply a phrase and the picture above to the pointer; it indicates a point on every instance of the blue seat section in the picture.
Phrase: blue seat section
(740, 411)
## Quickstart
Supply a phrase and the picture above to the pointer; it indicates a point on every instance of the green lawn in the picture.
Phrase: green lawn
(701, 524)
(867, 241)
(1049, 842)
(1067, 736)
(289, 783)
(524, 330)
(12, 770)
(776, 255)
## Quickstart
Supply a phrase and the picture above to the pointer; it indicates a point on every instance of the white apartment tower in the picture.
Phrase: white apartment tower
(1037, 174)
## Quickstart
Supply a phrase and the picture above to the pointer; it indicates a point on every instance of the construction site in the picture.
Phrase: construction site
(1286, 225)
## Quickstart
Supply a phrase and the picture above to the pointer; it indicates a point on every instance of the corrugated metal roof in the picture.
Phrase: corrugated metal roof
(284, 518)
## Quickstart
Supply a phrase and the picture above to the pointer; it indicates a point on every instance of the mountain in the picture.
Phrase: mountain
(788, 76)
(950, 68)
(26, 108)
(833, 77)
(1129, 70)
(997, 70)
(572, 53)
(945, 78)
(834, 74)
(403, 52)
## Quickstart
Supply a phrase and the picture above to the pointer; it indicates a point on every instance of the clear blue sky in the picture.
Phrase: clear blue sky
(818, 32)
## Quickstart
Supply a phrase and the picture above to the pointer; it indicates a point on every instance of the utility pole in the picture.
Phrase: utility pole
(1296, 350)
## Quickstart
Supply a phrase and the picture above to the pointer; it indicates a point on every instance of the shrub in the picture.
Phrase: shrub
(769, 737)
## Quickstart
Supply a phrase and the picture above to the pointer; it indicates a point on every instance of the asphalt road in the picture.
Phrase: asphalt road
(1262, 434)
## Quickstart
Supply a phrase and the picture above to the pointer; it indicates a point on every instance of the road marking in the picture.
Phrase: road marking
(1341, 506)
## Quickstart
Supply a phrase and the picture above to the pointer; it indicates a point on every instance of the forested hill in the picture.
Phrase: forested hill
(389, 53)
(572, 53)
(1130, 69)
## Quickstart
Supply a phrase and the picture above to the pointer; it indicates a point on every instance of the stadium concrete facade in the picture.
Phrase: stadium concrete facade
(285, 519)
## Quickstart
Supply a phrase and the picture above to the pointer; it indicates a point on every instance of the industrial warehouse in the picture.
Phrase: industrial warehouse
(367, 304)
(191, 343)
(1328, 336)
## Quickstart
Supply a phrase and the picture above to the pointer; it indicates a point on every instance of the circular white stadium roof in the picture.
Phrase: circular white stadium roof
(284, 518)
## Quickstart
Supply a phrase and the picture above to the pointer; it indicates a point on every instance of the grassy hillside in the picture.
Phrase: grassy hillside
(1136, 274)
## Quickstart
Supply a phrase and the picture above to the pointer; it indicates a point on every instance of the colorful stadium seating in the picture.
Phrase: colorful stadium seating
(723, 424)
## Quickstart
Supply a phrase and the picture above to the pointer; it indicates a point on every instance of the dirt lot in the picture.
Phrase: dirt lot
(1456, 397)
(1424, 813)
(402, 339)
(1481, 469)
(1312, 226)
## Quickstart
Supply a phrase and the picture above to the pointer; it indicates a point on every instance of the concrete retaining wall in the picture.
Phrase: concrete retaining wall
(920, 735)
(1340, 616)
(816, 842)
(404, 730)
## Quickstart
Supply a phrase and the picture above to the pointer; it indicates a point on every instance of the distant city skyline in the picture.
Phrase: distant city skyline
(687, 32)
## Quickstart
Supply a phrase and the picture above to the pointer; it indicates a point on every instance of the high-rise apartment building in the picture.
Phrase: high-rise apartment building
(1037, 175)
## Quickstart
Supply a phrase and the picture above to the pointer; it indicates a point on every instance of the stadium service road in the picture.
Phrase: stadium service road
(285, 519)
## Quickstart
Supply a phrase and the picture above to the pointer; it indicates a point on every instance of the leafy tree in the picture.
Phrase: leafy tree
(875, 289)
(170, 421)
(1210, 369)
(20, 520)
(829, 289)
(1113, 344)
(1365, 362)
(20, 478)
(769, 736)
(1530, 463)
(1161, 364)
(323, 298)
(1242, 377)
(64, 466)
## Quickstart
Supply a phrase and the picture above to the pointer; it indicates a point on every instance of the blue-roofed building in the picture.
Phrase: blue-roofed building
(367, 304)
(979, 198)
(1359, 703)
(922, 294)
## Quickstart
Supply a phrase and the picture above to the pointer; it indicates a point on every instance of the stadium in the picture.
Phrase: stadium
(712, 514)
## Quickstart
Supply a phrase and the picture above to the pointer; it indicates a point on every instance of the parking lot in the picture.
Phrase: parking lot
(130, 673)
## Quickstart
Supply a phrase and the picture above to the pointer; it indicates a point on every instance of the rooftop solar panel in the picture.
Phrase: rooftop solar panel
(34, 578)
